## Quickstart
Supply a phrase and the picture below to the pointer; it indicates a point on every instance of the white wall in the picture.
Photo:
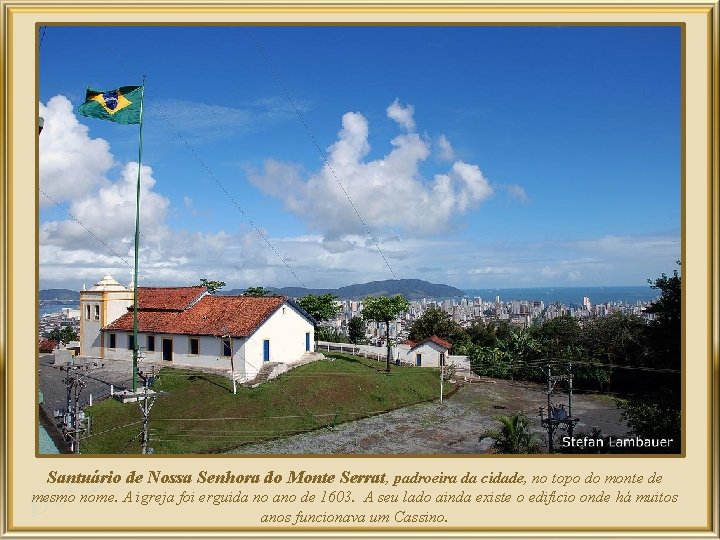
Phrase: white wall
(459, 361)
(111, 305)
(430, 354)
(210, 351)
(90, 328)
(286, 329)
(370, 351)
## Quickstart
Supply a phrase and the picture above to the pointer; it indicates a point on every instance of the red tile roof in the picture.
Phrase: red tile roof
(238, 316)
(440, 341)
(168, 298)
(434, 339)
(48, 345)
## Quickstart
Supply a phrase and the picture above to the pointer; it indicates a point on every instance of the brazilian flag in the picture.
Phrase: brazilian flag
(123, 105)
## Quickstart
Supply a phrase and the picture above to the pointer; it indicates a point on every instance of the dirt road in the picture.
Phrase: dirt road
(455, 427)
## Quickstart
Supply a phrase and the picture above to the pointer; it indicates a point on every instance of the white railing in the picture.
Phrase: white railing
(380, 353)
(368, 351)
(459, 361)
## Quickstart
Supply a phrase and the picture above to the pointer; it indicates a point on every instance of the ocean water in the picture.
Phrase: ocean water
(56, 308)
(570, 295)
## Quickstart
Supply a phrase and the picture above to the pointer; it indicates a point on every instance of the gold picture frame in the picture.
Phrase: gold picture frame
(693, 476)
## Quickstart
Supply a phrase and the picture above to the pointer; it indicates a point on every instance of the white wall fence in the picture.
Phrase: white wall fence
(380, 353)
(459, 361)
(368, 351)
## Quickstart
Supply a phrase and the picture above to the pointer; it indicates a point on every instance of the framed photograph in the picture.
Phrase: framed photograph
(360, 268)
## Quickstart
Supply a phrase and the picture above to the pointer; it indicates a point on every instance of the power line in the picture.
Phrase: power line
(227, 193)
(322, 154)
(96, 237)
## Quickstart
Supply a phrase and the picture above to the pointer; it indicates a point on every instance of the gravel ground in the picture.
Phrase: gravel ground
(455, 427)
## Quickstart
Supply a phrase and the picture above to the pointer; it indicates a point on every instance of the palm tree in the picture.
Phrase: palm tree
(514, 437)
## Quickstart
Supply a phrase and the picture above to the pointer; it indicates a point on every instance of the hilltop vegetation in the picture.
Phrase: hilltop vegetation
(411, 289)
(59, 294)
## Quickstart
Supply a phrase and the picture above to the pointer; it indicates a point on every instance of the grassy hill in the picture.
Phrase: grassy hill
(200, 414)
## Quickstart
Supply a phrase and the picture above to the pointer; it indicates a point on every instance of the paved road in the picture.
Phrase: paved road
(97, 382)
(455, 427)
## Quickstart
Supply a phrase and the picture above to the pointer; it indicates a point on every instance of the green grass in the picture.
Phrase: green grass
(199, 413)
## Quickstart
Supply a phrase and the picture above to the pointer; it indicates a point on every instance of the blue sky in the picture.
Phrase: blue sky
(474, 156)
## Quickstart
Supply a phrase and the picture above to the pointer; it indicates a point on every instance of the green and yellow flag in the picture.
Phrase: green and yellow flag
(123, 105)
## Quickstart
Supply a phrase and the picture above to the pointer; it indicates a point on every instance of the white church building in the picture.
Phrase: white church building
(187, 326)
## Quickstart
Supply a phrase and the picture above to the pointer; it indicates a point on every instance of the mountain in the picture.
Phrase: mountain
(412, 289)
(59, 294)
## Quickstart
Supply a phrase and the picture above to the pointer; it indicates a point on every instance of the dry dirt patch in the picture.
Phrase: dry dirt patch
(454, 427)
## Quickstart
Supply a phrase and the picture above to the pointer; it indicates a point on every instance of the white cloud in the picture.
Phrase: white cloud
(388, 192)
(403, 208)
(109, 213)
(446, 150)
(402, 115)
(517, 192)
(71, 163)
(204, 122)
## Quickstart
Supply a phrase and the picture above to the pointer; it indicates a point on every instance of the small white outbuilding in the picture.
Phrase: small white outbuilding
(430, 352)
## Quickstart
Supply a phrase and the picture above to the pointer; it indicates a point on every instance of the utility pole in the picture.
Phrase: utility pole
(72, 424)
(550, 426)
(232, 362)
(442, 374)
(145, 410)
(557, 415)
(571, 423)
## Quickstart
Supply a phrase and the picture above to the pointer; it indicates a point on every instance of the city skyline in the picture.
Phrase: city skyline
(477, 157)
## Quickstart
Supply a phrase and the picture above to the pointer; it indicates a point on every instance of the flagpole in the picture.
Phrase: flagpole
(137, 242)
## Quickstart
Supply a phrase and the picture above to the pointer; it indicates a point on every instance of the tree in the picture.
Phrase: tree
(616, 340)
(437, 322)
(324, 333)
(384, 309)
(482, 334)
(64, 334)
(514, 435)
(320, 307)
(658, 412)
(665, 329)
(257, 292)
(356, 330)
(520, 348)
(212, 285)
(560, 336)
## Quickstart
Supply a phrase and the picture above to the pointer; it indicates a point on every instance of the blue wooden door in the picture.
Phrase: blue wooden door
(307, 341)
(418, 359)
(266, 350)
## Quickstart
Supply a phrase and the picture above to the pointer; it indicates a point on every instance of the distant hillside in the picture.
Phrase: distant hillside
(412, 289)
(59, 294)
